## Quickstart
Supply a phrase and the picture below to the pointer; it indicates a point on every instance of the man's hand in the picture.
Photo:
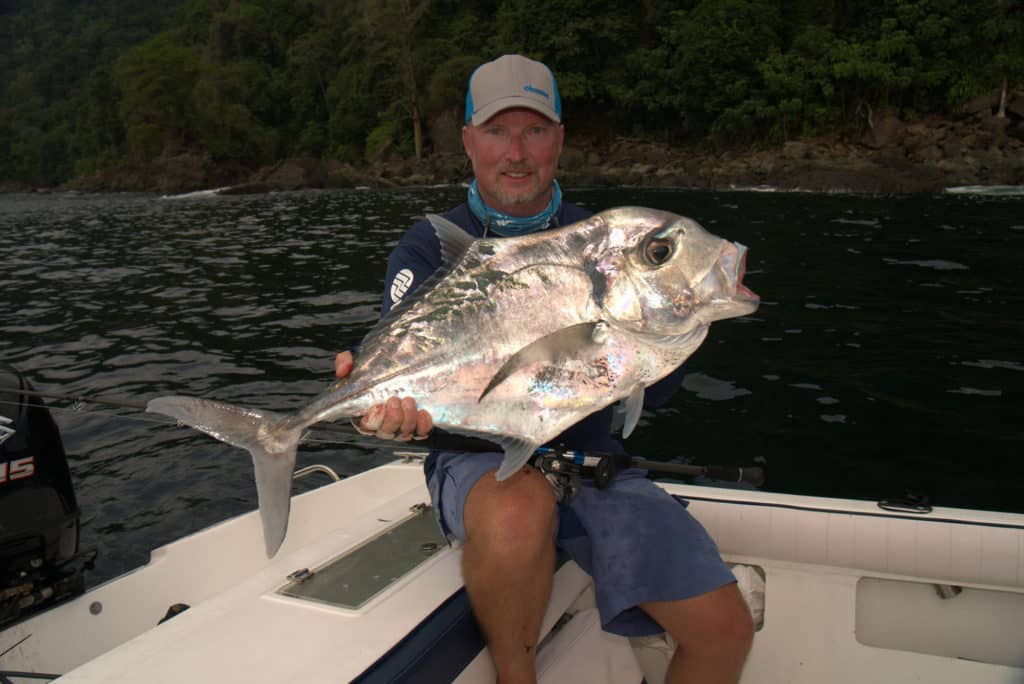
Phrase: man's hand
(397, 419)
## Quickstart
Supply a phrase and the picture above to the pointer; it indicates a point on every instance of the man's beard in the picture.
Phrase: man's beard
(521, 197)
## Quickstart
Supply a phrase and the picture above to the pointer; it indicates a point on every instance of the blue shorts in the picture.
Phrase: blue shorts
(618, 535)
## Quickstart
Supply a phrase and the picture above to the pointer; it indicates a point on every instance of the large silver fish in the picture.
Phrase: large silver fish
(514, 340)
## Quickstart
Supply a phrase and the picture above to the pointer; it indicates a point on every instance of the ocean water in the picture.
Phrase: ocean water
(886, 356)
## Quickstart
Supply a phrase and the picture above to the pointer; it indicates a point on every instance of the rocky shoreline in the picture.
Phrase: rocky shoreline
(894, 157)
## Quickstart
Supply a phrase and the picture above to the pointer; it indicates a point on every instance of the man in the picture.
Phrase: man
(654, 567)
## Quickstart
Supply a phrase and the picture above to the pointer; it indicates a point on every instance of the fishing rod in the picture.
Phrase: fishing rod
(601, 465)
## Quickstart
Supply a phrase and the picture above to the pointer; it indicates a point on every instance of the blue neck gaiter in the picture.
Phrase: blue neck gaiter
(511, 226)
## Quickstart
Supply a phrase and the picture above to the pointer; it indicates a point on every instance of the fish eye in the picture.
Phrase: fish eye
(658, 251)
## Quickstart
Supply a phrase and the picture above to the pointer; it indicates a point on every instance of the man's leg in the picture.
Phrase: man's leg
(714, 632)
(508, 563)
(644, 549)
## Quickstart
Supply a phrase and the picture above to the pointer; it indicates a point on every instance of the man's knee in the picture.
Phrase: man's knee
(717, 621)
(515, 516)
(733, 626)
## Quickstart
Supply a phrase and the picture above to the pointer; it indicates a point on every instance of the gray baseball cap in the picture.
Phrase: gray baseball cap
(512, 81)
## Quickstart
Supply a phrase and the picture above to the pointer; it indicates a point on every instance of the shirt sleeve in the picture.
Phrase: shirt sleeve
(412, 262)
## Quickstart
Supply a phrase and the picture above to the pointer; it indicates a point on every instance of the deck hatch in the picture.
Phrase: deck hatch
(351, 580)
(982, 625)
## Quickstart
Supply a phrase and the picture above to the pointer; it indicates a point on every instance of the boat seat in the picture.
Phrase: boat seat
(580, 651)
(449, 646)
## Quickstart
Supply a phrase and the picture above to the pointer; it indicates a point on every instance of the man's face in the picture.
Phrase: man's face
(515, 155)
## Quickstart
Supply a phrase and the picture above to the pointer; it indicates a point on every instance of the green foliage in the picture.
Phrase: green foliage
(716, 47)
(88, 85)
(385, 137)
(1002, 27)
(156, 80)
(801, 83)
(578, 39)
(447, 86)
(230, 104)
(353, 112)
(98, 131)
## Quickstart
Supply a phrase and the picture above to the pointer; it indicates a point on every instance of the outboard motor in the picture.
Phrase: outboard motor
(38, 512)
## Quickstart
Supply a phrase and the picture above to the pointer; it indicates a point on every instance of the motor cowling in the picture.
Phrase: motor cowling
(39, 516)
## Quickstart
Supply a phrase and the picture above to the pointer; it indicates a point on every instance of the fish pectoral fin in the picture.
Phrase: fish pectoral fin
(574, 340)
(634, 405)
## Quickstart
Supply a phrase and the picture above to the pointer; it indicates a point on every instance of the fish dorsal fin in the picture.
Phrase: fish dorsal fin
(634, 405)
(454, 240)
(454, 243)
(551, 348)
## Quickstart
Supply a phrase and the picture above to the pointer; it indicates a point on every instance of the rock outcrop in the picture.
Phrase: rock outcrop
(893, 157)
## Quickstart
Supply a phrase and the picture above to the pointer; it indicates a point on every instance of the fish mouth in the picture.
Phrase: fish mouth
(742, 291)
(728, 296)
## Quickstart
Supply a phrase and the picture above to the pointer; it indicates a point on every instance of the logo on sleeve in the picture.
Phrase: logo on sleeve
(400, 285)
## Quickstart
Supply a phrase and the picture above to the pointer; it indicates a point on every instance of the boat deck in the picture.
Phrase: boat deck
(855, 594)
(238, 621)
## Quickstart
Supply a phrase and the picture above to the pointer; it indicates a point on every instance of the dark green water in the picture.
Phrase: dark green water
(886, 356)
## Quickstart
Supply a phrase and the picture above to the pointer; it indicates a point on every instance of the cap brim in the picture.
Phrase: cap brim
(485, 113)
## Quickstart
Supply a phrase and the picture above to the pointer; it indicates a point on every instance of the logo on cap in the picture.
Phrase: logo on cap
(531, 89)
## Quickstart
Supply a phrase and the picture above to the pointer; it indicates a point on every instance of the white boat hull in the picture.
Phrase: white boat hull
(849, 597)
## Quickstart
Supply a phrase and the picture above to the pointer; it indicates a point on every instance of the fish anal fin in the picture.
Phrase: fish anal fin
(517, 454)
(518, 449)
(634, 405)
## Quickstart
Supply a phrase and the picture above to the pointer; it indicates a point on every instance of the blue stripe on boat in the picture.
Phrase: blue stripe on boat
(436, 651)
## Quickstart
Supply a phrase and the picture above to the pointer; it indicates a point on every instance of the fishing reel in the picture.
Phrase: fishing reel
(566, 468)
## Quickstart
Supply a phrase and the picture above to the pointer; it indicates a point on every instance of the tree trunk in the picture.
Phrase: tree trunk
(417, 131)
(1002, 100)
(394, 21)
(409, 76)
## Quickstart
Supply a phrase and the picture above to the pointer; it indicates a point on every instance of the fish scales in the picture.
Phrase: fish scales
(494, 294)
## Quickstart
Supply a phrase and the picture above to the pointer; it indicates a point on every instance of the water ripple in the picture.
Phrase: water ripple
(885, 355)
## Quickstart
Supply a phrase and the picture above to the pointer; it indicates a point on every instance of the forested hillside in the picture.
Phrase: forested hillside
(89, 84)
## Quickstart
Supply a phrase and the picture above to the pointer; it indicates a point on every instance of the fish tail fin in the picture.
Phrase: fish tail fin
(271, 441)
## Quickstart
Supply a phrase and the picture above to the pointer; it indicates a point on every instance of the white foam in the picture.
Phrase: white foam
(1000, 190)
(211, 192)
